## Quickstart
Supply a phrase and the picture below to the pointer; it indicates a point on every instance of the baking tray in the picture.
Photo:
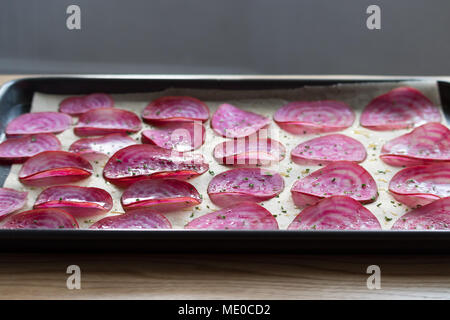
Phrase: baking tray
(15, 99)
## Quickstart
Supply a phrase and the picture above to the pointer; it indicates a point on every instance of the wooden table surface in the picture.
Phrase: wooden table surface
(224, 276)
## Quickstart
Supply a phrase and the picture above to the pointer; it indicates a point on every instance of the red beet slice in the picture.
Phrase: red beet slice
(424, 145)
(244, 184)
(181, 136)
(11, 201)
(335, 213)
(302, 117)
(400, 108)
(231, 122)
(242, 216)
(137, 219)
(179, 109)
(78, 201)
(76, 106)
(103, 121)
(163, 195)
(38, 122)
(249, 151)
(433, 216)
(338, 178)
(17, 150)
(54, 167)
(327, 149)
(144, 161)
(40, 219)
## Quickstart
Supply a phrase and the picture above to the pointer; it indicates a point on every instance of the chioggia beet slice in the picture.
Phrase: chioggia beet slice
(421, 185)
(327, 149)
(244, 184)
(138, 219)
(303, 117)
(338, 178)
(433, 216)
(40, 219)
(400, 108)
(76, 106)
(163, 195)
(54, 167)
(17, 150)
(38, 122)
(335, 213)
(241, 216)
(78, 201)
(144, 161)
(232, 122)
(178, 109)
(104, 121)
(11, 201)
(426, 144)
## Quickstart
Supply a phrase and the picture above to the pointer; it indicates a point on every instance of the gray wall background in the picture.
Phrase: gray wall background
(228, 36)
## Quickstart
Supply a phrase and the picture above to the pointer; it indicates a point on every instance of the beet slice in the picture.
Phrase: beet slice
(38, 122)
(249, 151)
(338, 178)
(17, 150)
(303, 117)
(335, 213)
(144, 161)
(78, 201)
(11, 201)
(181, 136)
(244, 184)
(424, 145)
(400, 108)
(433, 216)
(76, 106)
(231, 122)
(163, 195)
(179, 109)
(54, 167)
(40, 219)
(137, 219)
(103, 121)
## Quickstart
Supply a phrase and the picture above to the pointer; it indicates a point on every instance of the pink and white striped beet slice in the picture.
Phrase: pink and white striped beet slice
(327, 149)
(80, 202)
(11, 201)
(241, 216)
(163, 195)
(424, 145)
(304, 117)
(244, 184)
(335, 213)
(76, 106)
(338, 178)
(17, 150)
(40, 219)
(38, 122)
(400, 108)
(104, 121)
(138, 219)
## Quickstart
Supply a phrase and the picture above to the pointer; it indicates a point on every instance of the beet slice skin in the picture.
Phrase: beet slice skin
(244, 184)
(426, 144)
(54, 167)
(338, 178)
(76, 106)
(327, 149)
(400, 108)
(80, 202)
(144, 161)
(433, 216)
(335, 213)
(18, 150)
(179, 109)
(249, 151)
(104, 121)
(38, 122)
(304, 117)
(232, 122)
(49, 218)
(138, 219)
(11, 201)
